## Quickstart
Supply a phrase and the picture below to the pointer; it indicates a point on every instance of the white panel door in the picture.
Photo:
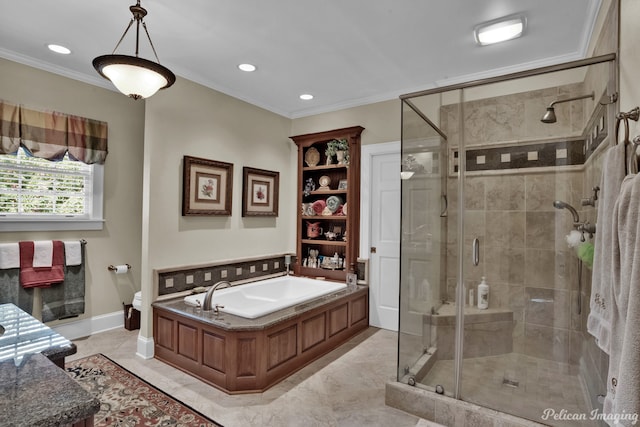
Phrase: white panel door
(385, 238)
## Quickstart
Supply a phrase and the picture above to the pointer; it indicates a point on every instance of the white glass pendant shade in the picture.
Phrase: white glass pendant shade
(133, 76)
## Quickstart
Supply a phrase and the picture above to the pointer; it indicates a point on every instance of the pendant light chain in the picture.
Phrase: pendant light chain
(144, 25)
(122, 38)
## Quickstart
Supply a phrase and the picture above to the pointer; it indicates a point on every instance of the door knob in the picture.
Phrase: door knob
(373, 249)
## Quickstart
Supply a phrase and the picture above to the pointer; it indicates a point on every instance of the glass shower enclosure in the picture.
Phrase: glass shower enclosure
(492, 193)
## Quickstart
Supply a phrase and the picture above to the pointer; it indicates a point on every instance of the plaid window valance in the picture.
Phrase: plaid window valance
(49, 134)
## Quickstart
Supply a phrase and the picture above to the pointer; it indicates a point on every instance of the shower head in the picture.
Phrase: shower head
(559, 204)
(550, 115)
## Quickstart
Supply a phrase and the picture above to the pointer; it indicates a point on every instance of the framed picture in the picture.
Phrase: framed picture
(342, 184)
(207, 187)
(259, 192)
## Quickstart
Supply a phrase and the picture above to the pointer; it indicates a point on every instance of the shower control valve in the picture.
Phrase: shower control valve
(591, 201)
(588, 228)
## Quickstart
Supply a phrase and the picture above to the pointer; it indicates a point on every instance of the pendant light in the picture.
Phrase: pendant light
(134, 76)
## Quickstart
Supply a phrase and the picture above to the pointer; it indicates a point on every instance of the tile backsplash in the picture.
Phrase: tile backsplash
(180, 279)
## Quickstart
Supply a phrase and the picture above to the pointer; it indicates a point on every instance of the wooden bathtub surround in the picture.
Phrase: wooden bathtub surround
(240, 355)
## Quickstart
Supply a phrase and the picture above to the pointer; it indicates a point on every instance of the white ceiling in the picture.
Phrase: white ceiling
(344, 52)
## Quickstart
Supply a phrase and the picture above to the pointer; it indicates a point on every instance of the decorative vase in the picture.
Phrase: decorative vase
(340, 157)
(313, 229)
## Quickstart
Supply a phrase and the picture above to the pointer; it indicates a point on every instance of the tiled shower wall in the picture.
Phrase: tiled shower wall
(524, 254)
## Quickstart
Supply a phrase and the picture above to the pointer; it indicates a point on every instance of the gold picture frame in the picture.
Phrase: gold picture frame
(207, 187)
(260, 192)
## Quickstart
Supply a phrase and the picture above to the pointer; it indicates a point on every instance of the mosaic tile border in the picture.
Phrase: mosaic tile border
(555, 153)
(185, 279)
(563, 152)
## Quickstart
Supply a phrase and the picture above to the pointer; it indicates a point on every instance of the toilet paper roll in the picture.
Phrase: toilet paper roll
(121, 269)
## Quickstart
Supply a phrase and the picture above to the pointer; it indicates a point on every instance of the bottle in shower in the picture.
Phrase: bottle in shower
(483, 294)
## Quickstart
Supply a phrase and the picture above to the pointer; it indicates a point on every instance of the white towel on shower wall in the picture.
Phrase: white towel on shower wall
(623, 380)
(613, 173)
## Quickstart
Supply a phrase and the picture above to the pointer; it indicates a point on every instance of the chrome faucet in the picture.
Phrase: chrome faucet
(206, 303)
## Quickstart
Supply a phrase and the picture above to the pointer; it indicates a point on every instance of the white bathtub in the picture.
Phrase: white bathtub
(266, 296)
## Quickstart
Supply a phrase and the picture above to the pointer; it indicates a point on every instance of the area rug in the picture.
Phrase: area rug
(127, 400)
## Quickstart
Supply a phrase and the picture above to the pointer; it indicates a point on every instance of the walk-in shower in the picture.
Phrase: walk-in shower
(516, 189)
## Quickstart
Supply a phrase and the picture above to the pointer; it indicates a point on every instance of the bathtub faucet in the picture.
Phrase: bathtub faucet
(206, 303)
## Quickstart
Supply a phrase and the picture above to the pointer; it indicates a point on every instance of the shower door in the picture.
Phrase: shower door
(423, 245)
(507, 191)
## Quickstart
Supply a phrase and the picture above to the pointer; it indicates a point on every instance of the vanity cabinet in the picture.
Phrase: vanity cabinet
(328, 220)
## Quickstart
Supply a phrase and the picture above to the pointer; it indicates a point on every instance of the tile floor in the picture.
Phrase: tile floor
(541, 384)
(343, 388)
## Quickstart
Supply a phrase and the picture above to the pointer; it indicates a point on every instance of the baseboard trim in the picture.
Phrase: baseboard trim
(145, 347)
(93, 325)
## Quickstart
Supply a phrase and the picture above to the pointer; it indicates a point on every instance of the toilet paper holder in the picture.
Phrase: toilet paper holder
(115, 267)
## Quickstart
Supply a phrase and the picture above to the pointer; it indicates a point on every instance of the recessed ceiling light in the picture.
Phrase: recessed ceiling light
(59, 49)
(500, 30)
(306, 96)
(247, 67)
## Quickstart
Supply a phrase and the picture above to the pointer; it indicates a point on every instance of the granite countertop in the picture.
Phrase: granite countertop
(35, 392)
(230, 322)
(25, 334)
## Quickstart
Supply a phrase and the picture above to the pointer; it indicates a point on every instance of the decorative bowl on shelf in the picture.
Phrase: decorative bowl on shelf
(312, 157)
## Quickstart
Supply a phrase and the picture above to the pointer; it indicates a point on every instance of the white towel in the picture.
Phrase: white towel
(623, 380)
(613, 173)
(9, 255)
(73, 252)
(42, 253)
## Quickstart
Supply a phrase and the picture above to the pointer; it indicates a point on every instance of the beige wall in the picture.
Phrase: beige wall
(120, 240)
(192, 120)
(381, 121)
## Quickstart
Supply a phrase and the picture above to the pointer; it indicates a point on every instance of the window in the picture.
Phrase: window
(39, 194)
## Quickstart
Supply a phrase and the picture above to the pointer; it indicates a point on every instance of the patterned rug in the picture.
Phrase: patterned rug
(127, 400)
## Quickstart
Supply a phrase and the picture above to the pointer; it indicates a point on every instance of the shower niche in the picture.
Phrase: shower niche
(509, 159)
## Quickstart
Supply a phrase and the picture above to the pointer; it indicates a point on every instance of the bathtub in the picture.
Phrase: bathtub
(266, 296)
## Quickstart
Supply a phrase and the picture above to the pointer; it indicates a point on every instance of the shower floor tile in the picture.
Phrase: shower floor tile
(542, 384)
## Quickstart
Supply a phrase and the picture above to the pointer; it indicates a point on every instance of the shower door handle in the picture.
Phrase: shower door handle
(445, 206)
(475, 251)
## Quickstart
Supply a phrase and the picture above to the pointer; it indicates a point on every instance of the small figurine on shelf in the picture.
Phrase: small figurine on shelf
(309, 187)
